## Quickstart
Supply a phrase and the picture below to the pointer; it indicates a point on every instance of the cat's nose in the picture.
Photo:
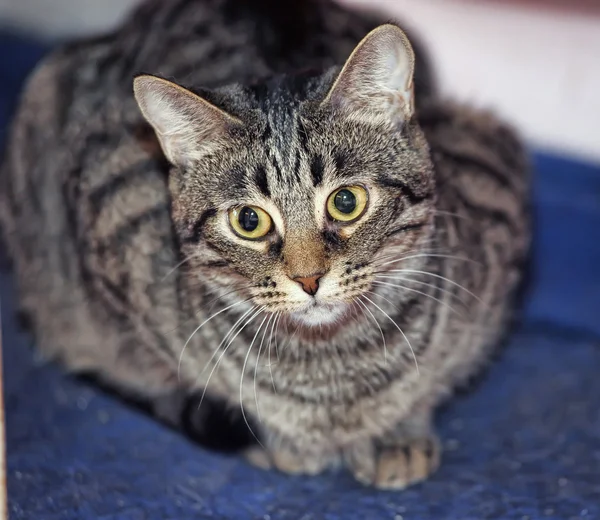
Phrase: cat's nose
(310, 284)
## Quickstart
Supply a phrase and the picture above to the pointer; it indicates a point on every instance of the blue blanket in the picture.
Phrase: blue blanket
(524, 445)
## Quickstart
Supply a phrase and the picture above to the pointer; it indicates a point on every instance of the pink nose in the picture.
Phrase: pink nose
(310, 284)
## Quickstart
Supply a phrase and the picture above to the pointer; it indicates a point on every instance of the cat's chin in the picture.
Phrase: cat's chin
(319, 315)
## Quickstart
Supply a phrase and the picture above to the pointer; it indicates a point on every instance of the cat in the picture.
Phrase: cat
(277, 212)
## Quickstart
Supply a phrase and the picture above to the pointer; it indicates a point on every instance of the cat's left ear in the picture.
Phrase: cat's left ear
(187, 126)
(376, 83)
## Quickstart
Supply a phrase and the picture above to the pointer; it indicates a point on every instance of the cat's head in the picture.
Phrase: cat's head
(296, 192)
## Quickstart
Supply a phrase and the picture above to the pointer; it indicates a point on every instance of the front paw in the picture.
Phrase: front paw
(288, 459)
(394, 465)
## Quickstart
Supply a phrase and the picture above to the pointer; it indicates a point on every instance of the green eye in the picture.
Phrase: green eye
(347, 204)
(250, 222)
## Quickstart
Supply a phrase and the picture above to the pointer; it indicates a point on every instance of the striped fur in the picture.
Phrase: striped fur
(120, 256)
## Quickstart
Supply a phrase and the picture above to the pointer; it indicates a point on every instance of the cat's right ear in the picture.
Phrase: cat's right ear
(376, 83)
(187, 126)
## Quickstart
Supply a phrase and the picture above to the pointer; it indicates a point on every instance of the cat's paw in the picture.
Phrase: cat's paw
(258, 457)
(288, 460)
(395, 465)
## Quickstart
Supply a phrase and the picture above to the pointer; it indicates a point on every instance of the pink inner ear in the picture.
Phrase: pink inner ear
(376, 81)
(186, 125)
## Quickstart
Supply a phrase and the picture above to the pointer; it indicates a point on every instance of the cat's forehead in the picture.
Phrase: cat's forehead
(280, 159)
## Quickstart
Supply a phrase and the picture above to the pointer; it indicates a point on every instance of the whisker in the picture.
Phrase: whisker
(430, 255)
(378, 326)
(270, 318)
(244, 373)
(217, 298)
(379, 262)
(184, 261)
(198, 328)
(450, 214)
(441, 302)
(252, 309)
(213, 301)
(452, 282)
(383, 297)
(432, 285)
(290, 338)
(399, 329)
(275, 323)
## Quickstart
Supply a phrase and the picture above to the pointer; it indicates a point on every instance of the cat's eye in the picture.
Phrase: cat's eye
(347, 204)
(250, 222)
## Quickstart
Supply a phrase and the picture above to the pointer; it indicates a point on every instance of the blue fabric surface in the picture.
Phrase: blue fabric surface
(524, 445)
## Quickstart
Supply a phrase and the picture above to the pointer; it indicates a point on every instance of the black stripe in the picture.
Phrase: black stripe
(465, 159)
(215, 264)
(407, 191)
(174, 13)
(106, 292)
(493, 214)
(196, 232)
(333, 240)
(341, 159)
(261, 181)
(275, 249)
(302, 136)
(133, 225)
(317, 168)
(96, 142)
(405, 228)
(266, 135)
(211, 245)
(297, 164)
(277, 169)
(140, 171)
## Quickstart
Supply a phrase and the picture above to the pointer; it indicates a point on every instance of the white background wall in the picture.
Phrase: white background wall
(539, 68)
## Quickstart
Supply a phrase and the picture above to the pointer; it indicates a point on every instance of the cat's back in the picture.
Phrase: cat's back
(210, 43)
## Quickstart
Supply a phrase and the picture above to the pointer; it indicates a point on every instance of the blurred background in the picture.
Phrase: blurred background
(537, 62)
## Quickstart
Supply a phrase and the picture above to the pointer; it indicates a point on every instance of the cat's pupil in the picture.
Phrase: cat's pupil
(345, 201)
(248, 219)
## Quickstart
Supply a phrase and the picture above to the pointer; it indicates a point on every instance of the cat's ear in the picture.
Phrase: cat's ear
(187, 126)
(376, 83)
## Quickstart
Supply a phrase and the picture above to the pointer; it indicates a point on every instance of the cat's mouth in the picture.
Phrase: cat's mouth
(318, 314)
(320, 321)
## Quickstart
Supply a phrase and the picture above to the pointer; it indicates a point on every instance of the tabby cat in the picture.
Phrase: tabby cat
(304, 233)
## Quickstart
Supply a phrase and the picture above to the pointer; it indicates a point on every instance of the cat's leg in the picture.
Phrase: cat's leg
(406, 455)
(291, 457)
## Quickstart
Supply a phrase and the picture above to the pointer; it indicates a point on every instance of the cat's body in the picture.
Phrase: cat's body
(119, 263)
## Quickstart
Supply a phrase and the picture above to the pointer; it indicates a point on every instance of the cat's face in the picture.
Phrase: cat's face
(298, 200)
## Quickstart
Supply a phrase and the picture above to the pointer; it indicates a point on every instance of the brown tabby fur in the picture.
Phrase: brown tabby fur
(120, 257)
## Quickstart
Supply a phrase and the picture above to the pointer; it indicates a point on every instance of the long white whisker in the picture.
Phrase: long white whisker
(198, 328)
(450, 214)
(213, 302)
(452, 282)
(432, 285)
(184, 261)
(275, 323)
(270, 318)
(441, 302)
(244, 373)
(291, 338)
(276, 333)
(429, 255)
(252, 309)
(378, 326)
(384, 298)
(399, 329)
